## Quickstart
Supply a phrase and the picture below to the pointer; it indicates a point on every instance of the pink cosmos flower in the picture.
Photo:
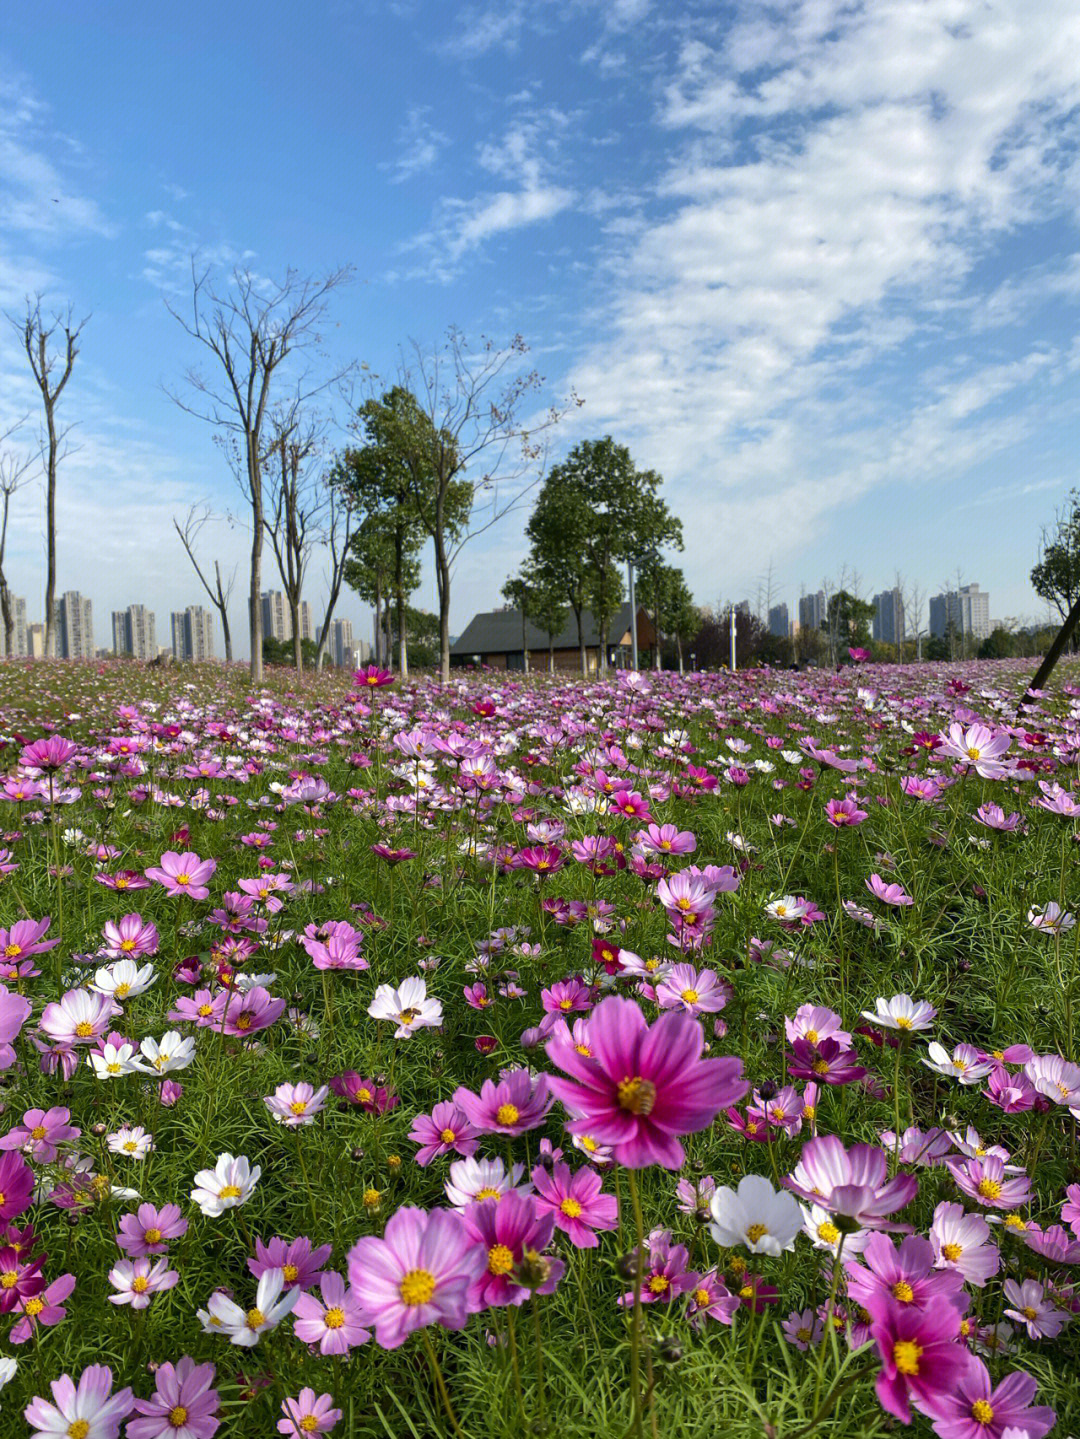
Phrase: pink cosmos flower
(506, 1235)
(149, 1229)
(1011, 1093)
(300, 1264)
(986, 1181)
(90, 1410)
(696, 991)
(853, 1182)
(971, 1408)
(888, 893)
(130, 936)
(310, 1413)
(961, 1241)
(136, 1281)
(25, 937)
(642, 1086)
(920, 1355)
(576, 1202)
(44, 1308)
(48, 754)
(79, 1017)
(566, 997)
(1070, 1209)
(905, 1274)
(664, 1271)
(247, 1013)
(183, 874)
(418, 1273)
(1056, 1078)
(40, 1134)
(518, 1102)
(711, 1298)
(666, 839)
(363, 1093)
(803, 1330)
(332, 1322)
(371, 677)
(16, 1185)
(825, 1062)
(296, 1104)
(977, 745)
(184, 1404)
(446, 1130)
(1032, 1307)
(843, 812)
(994, 817)
(814, 1023)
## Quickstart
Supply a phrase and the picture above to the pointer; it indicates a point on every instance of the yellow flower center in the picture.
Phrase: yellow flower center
(588, 1143)
(230, 1191)
(127, 945)
(365, 1096)
(309, 1424)
(140, 1284)
(298, 1107)
(828, 1232)
(737, 1264)
(906, 1356)
(371, 1198)
(78, 1429)
(500, 1259)
(982, 1412)
(290, 1273)
(255, 1318)
(334, 1318)
(408, 1015)
(903, 1291)
(183, 879)
(951, 1252)
(9, 1279)
(690, 996)
(804, 1335)
(114, 1068)
(488, 1193)
(701, 1298)
(447, 1136)
(12, 951)
(637, 1095)
(903, 1022)
(756, 1232)
(205, 1010)
(243, 1021)
(566, 1004)
(1029, 1313)
(746, 1292)
(973, 752)
(989, 1189)
(33, 1307)
(571, 1208)
(84, 1029)
(38, 1132)
(659, 1284)
(820, 1066)
(152, 1236)
(131, 1145)
(812, 1036)
(417, 1287)
(507, 1114)
(178, 1416)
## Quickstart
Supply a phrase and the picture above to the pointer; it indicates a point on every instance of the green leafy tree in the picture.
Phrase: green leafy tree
(847, 619)
(557, 531)
(662, 590)
(369, 571)
(1056, 577)
(610, 512)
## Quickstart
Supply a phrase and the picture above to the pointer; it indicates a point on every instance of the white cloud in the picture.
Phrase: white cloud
(420, 145)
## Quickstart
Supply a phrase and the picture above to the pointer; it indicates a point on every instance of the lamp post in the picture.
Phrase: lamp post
(732, 627)
(633, 615)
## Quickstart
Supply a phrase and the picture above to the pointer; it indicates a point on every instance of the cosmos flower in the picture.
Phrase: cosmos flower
(89, 1410)
(755, 1215)
(230, 1183)
(407, 1006)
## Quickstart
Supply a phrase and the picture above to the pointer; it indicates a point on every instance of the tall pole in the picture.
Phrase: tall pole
(732, 639)
(633, 615)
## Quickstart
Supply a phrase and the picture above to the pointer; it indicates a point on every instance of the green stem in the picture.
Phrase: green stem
(542, 1401)
(440, 1383)
(635, 1325)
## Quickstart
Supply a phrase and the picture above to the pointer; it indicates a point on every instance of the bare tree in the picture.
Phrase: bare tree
(51, 349)
(468, 413)
(250, 329)
(219, 592)
(295, 508)
(340, 521)
(13, 475)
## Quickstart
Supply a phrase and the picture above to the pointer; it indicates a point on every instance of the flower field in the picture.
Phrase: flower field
(671, 1056)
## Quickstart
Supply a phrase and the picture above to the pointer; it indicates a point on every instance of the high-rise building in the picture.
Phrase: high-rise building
(340, 641)
(965, 611)
(35, 641)
(276, 619)
(889, 617)
(134, 632)
(779, 623)
(76, 627)
(192, 634)
(18, 637)
(813, 611)
(307, 629)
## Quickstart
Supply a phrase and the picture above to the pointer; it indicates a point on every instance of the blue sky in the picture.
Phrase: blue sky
(818, 263)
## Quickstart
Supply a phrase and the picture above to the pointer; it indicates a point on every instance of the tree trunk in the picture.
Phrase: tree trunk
(678, 651)
(50, 536)
(442, 575)
(524, 644)
(9, 620)
(223, 611)
(551, 654)
(297, 639)
(255, 592)
(581, 644)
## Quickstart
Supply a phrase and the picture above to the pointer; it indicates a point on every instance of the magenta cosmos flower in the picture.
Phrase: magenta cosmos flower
(16, 1185)
(418, 1273)
(149, 1229)
(446, 1130)
(921, 1357)
(40, 1133)
(576, 1202)
(184, 1404)
(505, 1233)
(48, 754)
(888, 893)
(308, 1414)
(642, 1087)
(332, 1322)
(183, 874)
(25, 937)
(14, 1012)
(853, 1182)
(90, 1410)
(971, 1408)
(516, 1103)
(987, 1181)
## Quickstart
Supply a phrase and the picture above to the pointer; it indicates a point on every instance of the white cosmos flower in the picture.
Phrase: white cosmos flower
(7, 1370)
(247, 1326)
(408, 1006)
(112, 1060)
(475, 1179)
(758, 1216)
(786, 910)
(132, 1143)
(963, 1063)
(901, 1012)
(230, 1183)
(162, 1056)
(124, 979)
